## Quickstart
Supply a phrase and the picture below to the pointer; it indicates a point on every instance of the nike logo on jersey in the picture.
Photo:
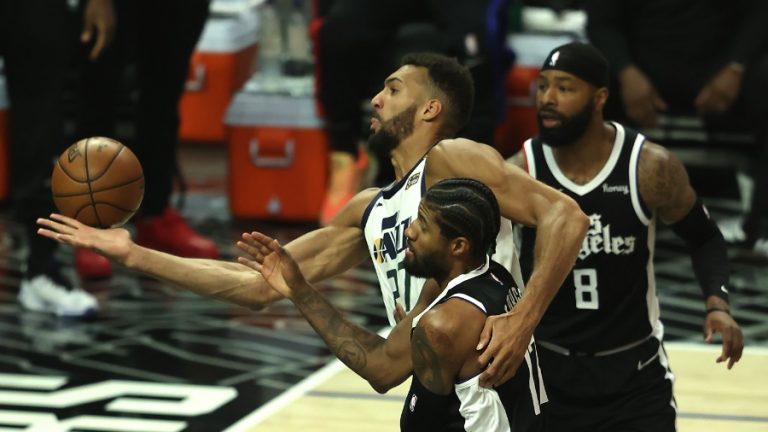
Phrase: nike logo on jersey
(723, 289)
(642, 364)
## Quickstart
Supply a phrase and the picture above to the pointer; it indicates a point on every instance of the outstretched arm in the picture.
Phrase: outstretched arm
(666, 189)
(560, 229)
(322, 253)
(384, 363)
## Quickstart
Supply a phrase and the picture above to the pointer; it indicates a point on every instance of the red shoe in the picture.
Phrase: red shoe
(170, 233)
(90, 265)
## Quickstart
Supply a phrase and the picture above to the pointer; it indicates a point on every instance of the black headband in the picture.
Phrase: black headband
(580, 59)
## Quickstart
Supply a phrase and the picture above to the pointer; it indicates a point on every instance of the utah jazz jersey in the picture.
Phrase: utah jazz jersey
(384, 223)
(515, 405)
(609, 298)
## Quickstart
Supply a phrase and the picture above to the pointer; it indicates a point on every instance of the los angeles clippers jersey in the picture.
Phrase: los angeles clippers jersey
(609, 298)
(384, 223)
(514, 406)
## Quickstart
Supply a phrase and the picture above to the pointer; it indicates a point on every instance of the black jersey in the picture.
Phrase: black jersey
(515, 405)
(609, 298)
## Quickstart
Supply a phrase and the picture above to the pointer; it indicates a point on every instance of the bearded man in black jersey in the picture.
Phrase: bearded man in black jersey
(601, 339)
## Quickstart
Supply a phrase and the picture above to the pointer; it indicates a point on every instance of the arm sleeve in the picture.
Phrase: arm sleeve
(708, 251)
(605, 19)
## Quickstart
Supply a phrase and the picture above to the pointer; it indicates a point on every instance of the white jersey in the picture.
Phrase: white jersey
(384, 223)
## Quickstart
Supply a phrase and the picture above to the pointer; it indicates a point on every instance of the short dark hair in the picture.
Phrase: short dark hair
(452, 79)
(466, 208)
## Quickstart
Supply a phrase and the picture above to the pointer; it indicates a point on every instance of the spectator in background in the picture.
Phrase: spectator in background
(707, 56)
(368, 31)
(160, 45)
(36, 37)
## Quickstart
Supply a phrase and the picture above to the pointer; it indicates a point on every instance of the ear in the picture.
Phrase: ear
(460, 246)
(431, 109)
(601, 97)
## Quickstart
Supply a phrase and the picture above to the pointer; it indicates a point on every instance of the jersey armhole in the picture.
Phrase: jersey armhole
(368, 210)
(528, 158)
(641, 209)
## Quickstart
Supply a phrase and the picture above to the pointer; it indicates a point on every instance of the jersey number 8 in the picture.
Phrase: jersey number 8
(585, 281)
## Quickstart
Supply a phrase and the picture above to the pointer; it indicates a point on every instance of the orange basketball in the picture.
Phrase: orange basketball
(98, 181)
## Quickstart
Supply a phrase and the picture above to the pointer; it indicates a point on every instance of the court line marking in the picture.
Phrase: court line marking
(289, 396)
(306, 386)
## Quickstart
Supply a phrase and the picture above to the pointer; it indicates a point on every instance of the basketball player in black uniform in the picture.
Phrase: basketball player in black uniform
(600, 340)
(420, 106)
(450, 241)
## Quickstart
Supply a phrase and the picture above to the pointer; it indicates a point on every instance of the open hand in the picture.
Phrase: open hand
(506, 342)
(733, 340)
(270, 259)
(114, 243)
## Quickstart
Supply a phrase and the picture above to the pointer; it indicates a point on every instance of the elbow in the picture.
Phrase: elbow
(381, 386)
(386, 382)
(575, 217)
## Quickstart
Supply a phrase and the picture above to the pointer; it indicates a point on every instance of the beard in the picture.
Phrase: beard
(426, 266)
(392, 132)
(570, 128)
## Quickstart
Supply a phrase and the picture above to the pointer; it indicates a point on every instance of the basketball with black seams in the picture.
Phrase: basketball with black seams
(98, 181)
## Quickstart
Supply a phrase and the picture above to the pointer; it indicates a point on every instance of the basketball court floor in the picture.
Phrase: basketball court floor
(160, 359)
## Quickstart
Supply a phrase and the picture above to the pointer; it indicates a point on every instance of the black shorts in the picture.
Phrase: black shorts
(622, 392)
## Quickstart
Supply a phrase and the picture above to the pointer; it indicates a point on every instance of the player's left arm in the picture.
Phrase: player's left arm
(667, 191)
(443, 345)
(560, 229)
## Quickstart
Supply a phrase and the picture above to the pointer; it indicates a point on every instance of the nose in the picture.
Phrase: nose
(546, 96)
(377, 101)
(410, 233)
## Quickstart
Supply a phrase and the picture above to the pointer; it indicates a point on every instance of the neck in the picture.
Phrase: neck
(459, 268)
(410, 151)
(590, 152)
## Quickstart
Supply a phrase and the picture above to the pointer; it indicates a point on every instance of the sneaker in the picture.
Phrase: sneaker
(91, 265)
(170, 233)
(345, 182)
(43, 294)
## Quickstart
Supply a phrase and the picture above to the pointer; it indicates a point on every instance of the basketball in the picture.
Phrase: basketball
(98, 181)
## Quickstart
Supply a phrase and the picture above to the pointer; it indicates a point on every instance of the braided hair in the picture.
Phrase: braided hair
(466, 208)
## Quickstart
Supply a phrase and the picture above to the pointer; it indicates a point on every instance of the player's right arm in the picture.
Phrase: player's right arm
(384, 363)
(321, 254)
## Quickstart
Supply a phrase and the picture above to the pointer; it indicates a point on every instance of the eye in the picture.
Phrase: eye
(542, 87)
(564, 89)
(393, 90)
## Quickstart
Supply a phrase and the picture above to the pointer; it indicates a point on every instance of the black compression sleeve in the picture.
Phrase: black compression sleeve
(708, 251)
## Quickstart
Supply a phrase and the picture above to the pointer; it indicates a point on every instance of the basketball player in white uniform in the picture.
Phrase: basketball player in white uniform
(422, 104)
(600, 341)
(449, 240)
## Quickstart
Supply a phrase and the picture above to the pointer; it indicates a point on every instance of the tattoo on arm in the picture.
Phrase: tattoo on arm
(426, 363)
(351, 343)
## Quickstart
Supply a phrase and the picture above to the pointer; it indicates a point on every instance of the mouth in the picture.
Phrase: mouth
(550, 119)
(375, 123)
(409, 253)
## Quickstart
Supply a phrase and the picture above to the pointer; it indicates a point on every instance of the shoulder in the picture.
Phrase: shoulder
(466, 158)
(660, 174)
(518, 159)
(452, 328)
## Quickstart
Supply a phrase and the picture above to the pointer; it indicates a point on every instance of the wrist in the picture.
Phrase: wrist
(715, 303)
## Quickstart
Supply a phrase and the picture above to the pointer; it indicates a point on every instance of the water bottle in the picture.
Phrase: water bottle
(299, 55)
(270, 57)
